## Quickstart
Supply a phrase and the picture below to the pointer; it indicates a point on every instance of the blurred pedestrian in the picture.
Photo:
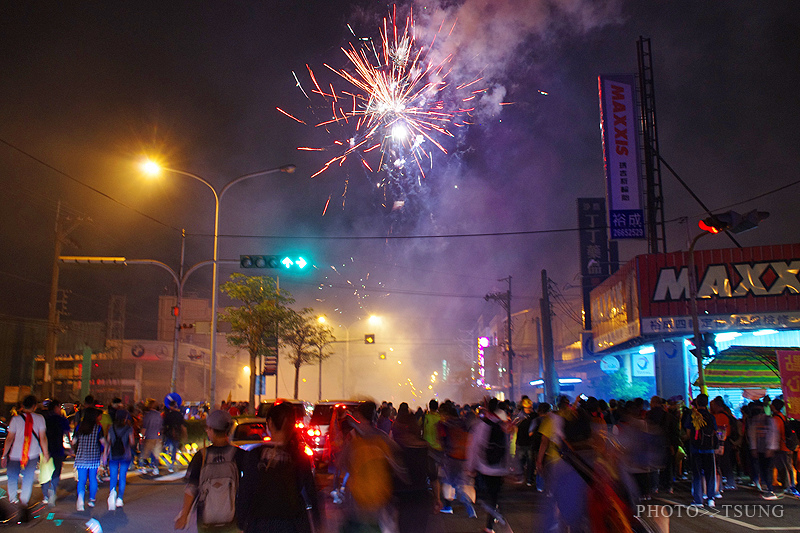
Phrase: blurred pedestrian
(488, 460)
(454, 438)
(57, 426)
(174, 432)
(784, 455)
(88, 443)
(764, 442)
(524, 442)
(277, 491)
(118, 455)
(151, 424)
(702, 429)
(371, 461)
(26, 443)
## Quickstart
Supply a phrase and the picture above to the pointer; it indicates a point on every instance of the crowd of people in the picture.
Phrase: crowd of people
(104, 440)
(394, 469)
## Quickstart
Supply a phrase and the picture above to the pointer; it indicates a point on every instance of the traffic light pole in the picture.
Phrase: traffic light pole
(699, 343)
(178, 278)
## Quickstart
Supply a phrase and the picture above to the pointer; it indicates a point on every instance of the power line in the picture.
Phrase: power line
(86, 185)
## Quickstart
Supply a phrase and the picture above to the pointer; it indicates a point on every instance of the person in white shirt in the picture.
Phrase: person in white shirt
(26, 442)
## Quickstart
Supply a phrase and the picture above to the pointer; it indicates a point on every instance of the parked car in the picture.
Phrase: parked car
(248, 432)
(301, 410)
(317, 434)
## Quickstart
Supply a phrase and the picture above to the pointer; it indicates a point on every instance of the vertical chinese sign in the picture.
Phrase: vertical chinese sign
(789, 367)
(621, 156)
(594, 251)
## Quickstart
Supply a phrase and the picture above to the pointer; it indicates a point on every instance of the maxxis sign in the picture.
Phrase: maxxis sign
(738, 289)
(729, 280)
(621, 156)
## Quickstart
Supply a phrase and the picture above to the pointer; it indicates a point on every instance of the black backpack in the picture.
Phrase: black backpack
(496, 447)
(705, 438)
(790, 432)
(118, 446)
(577, 426)
(733, 424)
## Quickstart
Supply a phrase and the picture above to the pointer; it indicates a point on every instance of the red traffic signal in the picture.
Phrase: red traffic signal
(708, 227)
(732, 221)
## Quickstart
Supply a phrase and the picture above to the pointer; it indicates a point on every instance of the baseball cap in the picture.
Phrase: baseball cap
(219, 420)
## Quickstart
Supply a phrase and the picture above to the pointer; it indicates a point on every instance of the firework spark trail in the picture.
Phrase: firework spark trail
(400, 100)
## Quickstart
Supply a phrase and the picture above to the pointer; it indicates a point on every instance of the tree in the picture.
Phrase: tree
(300, 332)
(617, 386)
(321, 338)
(261, 316)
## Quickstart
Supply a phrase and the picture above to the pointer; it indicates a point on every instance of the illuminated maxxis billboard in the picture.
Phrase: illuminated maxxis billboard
(737, 289)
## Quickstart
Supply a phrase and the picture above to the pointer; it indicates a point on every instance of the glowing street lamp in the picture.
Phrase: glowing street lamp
(152, 168)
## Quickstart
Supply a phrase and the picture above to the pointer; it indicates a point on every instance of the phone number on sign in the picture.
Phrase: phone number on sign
(632, 232)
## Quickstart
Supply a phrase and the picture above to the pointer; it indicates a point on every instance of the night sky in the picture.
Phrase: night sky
(88, 88)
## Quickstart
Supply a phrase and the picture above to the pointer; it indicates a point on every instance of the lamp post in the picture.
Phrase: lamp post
(154, 168)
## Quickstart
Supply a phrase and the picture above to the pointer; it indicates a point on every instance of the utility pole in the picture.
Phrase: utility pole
(505, 301)
(550, 378)
(53, 316)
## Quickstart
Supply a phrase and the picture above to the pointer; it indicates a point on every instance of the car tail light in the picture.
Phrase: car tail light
(267, 438)
(309, 452)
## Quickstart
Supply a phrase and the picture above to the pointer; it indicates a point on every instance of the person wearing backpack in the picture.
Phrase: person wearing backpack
(787, 444)
(701, 427)
(212, 480)
(277, 485)
(118, 455)
(25, 445)
(763, 437)
(57, 426)
(88, 442)
(174, 432)
(488, 459)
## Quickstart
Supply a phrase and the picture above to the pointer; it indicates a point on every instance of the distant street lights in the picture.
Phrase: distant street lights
(373, 320)
(152, 168)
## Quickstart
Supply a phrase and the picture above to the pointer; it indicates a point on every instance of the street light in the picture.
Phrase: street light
(153, 168)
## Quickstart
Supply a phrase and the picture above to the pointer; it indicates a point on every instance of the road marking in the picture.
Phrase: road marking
(730, 520)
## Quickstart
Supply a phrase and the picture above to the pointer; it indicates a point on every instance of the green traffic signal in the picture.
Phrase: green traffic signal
(273, 261)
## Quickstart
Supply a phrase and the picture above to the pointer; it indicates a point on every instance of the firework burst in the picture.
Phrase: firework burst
(399, 105)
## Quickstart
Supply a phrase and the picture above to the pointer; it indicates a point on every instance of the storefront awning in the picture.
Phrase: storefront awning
(744, 367)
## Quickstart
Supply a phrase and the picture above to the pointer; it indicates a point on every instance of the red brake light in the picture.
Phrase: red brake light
(310, 432)
(267, 438)
(309, 452)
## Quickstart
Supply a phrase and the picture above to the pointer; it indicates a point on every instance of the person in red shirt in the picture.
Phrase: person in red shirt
(783, 457)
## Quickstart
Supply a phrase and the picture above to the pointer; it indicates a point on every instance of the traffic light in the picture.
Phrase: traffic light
(259, 261)
(382, 355)
(369, 338)
(287, 262)
(732, 221)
